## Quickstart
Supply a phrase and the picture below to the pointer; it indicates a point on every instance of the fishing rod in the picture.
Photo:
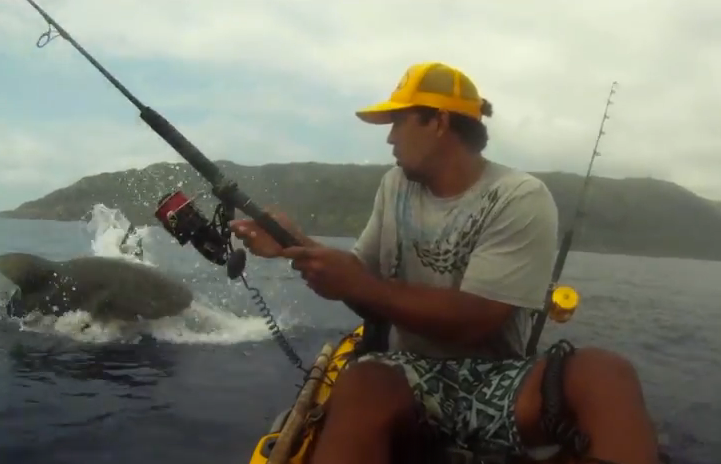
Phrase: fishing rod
(225, 190)
(180, 217)
(541, 317)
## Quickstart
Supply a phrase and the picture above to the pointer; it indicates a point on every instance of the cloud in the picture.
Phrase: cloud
(279, 80)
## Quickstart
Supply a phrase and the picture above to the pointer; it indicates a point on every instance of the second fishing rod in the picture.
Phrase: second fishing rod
(540, 320)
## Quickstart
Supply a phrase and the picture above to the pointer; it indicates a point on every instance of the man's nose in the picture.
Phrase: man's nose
(391, 139)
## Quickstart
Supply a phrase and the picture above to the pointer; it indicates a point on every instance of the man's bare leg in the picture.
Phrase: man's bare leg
(604, 393)
(370, 401)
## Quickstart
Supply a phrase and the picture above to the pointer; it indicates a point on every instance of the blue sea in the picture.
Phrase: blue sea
(208, 383)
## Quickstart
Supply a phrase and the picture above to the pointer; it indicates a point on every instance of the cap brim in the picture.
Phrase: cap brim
(380, 113)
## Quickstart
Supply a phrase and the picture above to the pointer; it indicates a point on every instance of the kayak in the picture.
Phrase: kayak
(282, 444)
(290, 437)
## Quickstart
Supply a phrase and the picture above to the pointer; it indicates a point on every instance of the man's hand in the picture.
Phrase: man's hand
(258, 242)
(331, 273)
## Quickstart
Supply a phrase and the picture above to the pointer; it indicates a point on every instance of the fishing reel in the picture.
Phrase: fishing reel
(186, 223)
(564, 301)
(180, 216)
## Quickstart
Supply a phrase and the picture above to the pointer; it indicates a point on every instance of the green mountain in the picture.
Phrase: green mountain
(638, 216)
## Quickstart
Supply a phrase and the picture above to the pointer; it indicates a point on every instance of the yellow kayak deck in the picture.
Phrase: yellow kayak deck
(296, 424)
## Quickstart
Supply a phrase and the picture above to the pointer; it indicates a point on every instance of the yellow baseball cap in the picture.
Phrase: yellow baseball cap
(432, 84)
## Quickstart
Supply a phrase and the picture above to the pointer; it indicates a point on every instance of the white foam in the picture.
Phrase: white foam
(198, 324)
(109, 226)
(202, 324)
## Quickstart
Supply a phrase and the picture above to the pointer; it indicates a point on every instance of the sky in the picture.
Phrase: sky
(260, 81)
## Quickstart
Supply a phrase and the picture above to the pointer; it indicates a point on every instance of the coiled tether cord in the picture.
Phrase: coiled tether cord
(235, 266)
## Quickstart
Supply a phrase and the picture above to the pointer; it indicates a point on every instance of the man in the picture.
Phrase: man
(456, 249)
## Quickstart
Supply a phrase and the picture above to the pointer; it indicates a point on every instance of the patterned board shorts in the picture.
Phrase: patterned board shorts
(469, 402)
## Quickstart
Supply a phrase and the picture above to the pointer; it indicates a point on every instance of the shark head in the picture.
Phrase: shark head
(106, 288)
(28, 272)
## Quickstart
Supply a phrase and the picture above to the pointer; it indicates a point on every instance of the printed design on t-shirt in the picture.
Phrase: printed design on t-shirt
(446, 246)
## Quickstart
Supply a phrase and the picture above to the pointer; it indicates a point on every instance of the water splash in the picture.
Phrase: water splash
(108, 227)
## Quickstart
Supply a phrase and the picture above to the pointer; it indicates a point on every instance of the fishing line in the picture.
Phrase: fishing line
(47, 37)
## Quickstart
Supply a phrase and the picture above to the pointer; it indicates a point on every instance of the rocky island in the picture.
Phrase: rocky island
(634, 216)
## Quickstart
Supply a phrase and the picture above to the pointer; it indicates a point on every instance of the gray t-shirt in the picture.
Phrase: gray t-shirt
(497, 240)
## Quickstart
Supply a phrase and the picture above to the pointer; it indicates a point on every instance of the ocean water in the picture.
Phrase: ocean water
(210, 381)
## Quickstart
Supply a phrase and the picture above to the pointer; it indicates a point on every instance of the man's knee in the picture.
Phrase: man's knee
(372, 390)
(593, 374)
(600, 361)
(592, 378)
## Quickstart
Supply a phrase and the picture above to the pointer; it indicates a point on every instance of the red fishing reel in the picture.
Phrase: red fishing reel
(186, 223)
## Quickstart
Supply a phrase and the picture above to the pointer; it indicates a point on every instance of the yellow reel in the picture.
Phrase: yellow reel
(564, 301)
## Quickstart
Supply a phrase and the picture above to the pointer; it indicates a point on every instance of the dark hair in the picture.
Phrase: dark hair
(472, 132)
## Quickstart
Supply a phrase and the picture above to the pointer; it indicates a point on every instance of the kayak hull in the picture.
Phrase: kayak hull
(339, 356)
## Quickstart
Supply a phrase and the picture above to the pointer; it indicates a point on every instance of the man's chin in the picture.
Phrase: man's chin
(410, 175)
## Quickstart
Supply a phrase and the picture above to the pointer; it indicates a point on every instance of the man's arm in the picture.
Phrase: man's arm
(368, 246)
(510, 268)
(447, 315)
